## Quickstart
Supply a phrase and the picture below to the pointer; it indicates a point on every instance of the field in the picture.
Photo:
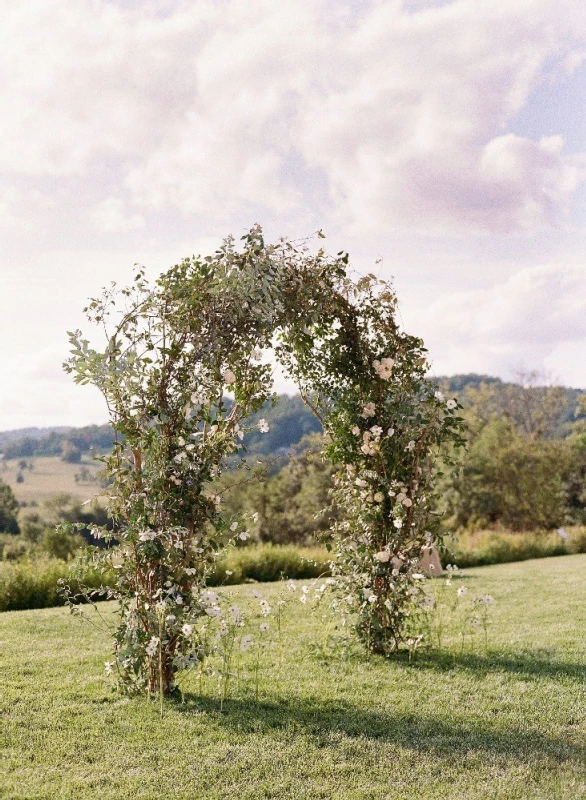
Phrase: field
(507, 722)
(48, 477)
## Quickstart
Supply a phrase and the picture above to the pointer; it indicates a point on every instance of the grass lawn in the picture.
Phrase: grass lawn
(507, 723)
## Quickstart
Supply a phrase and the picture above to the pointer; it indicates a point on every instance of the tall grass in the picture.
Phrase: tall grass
(482, 548)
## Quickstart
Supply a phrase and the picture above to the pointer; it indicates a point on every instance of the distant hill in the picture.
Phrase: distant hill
(28, 433)
(289, 421)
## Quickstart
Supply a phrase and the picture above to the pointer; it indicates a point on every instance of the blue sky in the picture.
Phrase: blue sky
(445, 139)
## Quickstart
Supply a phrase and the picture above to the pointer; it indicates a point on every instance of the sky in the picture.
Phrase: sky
(441, 143)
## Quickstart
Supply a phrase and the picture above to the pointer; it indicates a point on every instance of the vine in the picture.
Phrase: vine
(174, 351)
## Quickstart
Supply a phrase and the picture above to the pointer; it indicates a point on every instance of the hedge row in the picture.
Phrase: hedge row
(34, 584)
(500, 547)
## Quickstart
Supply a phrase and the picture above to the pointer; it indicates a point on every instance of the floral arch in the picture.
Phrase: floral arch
(173, 351)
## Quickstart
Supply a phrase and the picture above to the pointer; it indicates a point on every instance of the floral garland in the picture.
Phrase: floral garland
(173, 352)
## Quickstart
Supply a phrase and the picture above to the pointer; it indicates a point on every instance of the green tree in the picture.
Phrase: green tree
(8, 509)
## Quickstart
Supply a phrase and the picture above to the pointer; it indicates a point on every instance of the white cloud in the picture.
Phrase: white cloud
(534, 320)
(110, 216)
(212, 107)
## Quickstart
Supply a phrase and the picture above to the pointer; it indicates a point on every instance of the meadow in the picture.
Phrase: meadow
(48, 477)
(316, 720)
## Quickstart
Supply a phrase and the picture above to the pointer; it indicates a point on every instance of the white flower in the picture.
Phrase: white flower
(265, 608)
(255, 516)
(243, 535)
(229, 376)
(368, 449)
(264, 626)
(376, 431)
(291, 586)
(369, 410)
(303, 598)
(428, 601)
(462, 591)
(356, 430)
(417, 576)
(181, 441)
(170, 619)
(379, 497)
(147, 536)
(371, 598)
(263, 426)
(486, 599)
(190, 571)
(179, 458)
(256, 355)
(390, 432)
(398, 523)
(439, 396)
(190, 447)
(361, 482)
(209, 598)
(305, 589)
(229, 572)
(179, 600)
(187, 630)
(383, 367)
(383, 556)
(233, 526)
(451, 404)
(246, 642)
(410, 446)
(152, 646)
(407, 502)
(108, 667)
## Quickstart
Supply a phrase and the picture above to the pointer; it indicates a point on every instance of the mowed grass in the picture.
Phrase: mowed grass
(49, 476)
(507, 723)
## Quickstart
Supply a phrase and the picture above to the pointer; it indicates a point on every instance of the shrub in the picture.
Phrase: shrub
(270, 563)
(499, 547)
(35, 584)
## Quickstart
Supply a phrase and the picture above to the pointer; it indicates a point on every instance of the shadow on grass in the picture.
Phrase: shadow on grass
(432, 735)
(526, 664)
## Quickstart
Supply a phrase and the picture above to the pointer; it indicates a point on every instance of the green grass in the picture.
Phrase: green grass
(508, 723)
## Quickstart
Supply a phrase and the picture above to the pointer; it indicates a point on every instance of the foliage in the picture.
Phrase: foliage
(57, 441)
(25, 582)
(510, 479)
(36, 584)
(292, 506)
(174, 350)
(485, 547)
(518, 471)
(269, 562)
(8, 509)
(529, 403)
(70, 453)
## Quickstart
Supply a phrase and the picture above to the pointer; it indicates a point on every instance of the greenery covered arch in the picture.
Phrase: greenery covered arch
(173, 352)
